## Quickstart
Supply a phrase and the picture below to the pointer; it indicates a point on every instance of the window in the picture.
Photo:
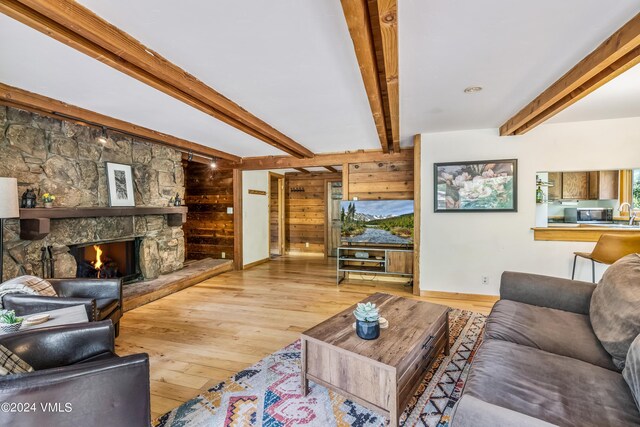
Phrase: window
(635, 189)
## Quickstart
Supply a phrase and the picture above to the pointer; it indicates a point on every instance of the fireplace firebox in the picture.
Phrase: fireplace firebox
(105, 260)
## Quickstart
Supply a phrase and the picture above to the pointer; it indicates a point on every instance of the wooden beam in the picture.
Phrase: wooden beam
(288, 162)
(345, 181)
(614, 56)
(331, 169)
(385, 25)
(302, 170)
(78, 27)
(238, 261)
(356, 13)
(19, 98)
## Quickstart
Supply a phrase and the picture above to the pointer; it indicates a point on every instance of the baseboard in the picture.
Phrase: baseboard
(459, 296)
(309, 254)
(253, 264)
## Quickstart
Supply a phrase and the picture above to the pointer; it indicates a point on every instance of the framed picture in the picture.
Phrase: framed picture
(480, 186)
(120, 183)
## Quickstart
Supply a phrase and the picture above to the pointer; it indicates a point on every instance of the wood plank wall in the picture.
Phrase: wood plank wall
(209, 228)
(273, 216)
(305, 211)
(380, 181)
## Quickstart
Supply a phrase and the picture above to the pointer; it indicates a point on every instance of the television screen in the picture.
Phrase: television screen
(388, 222)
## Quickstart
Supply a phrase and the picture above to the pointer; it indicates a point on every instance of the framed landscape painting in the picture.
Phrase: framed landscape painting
(120, 184)
(479, 186)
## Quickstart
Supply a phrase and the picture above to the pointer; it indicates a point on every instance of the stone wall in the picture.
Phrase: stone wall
(64, 159)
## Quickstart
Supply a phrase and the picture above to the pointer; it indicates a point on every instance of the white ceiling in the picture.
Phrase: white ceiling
(513, 49)
(617, 99)
(291, 63)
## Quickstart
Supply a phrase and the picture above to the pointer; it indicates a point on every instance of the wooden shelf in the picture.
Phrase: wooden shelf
(35, 223)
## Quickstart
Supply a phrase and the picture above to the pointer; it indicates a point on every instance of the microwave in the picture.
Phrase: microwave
(594, 215)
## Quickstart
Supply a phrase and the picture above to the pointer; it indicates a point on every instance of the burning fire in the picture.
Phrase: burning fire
(98, 262)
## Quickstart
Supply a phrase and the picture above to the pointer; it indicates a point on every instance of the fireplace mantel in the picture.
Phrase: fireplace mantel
(35, 222)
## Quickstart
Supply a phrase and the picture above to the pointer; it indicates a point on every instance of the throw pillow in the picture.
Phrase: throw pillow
(615, 308)
(631, 371)
(27, 285)
(12, 364)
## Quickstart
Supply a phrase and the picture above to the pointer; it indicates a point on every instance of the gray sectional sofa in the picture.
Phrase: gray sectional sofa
(542, 364)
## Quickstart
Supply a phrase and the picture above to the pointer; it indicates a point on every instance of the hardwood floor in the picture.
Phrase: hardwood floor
(200, 336)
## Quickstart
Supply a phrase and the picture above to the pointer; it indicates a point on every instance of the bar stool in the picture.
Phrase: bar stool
(609, 249)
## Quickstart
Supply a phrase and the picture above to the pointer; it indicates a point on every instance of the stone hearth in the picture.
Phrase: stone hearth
(64, 159)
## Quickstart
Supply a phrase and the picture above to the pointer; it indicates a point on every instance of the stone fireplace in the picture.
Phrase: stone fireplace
(107, 260)
(65, 159)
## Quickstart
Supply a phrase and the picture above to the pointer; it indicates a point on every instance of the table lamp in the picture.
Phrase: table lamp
(8, 209)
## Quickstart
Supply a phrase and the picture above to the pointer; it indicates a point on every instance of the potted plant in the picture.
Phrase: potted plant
(9, 322)
(48, 200)
(367, 321)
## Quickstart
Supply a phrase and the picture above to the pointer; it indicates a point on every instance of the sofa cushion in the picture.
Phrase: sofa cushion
(615, 307)
(556, 331)
(631, 371)
(557, 389)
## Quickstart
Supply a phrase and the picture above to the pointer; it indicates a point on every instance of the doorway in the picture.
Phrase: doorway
(334, 224)
(276, 214)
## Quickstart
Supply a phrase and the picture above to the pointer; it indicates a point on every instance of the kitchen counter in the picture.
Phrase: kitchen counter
(580, 232)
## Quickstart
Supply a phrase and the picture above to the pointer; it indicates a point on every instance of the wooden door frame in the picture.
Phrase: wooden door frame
(281, 217)
(326, 213)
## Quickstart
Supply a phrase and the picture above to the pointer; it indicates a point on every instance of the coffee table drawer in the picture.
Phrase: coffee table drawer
(412, 377)
(421, 358)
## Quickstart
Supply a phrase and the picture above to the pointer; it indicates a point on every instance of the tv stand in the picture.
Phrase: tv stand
(378, 260)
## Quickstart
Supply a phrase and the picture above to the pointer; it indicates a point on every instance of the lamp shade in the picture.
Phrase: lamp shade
(9, 198)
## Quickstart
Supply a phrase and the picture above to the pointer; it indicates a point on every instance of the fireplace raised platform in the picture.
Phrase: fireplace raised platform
(140, 293)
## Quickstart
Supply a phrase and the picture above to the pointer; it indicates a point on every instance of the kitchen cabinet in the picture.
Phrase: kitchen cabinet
(554, 192)
(603, 185)
(575, 185)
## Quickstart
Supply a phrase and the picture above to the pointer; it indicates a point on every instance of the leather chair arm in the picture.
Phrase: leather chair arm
(546, 291)
(25, 305)
(113, 392)
(46, 348)
(88, 288)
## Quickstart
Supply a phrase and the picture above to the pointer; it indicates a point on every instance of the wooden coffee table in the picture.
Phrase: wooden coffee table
(381, 374)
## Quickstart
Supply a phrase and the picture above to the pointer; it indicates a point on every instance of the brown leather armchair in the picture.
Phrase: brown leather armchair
(102, 298)
(78, 379)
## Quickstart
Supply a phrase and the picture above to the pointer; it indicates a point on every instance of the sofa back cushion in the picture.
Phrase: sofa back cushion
(631, 371)
(615, 308)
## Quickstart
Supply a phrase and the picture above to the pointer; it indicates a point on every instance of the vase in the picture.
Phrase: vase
(48, 204)
(368, 330)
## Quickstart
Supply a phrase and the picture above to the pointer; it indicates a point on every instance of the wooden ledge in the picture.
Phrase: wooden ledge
(35, 223)
(576, 234)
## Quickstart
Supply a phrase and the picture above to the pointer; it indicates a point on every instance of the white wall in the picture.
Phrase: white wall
(255, 216)
(457, 249)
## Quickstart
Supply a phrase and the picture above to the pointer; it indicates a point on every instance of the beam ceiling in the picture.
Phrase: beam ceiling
(81, 29)
(373, 25)
(614, 56)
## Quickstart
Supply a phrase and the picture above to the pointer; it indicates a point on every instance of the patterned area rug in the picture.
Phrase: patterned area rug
(268, 393)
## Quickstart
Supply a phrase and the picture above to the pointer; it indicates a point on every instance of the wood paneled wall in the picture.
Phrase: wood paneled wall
(273, 216)
(305, 211)
(209, 228)
(380, 181)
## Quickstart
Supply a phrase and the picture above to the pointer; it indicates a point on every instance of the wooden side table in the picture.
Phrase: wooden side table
(61, 316)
